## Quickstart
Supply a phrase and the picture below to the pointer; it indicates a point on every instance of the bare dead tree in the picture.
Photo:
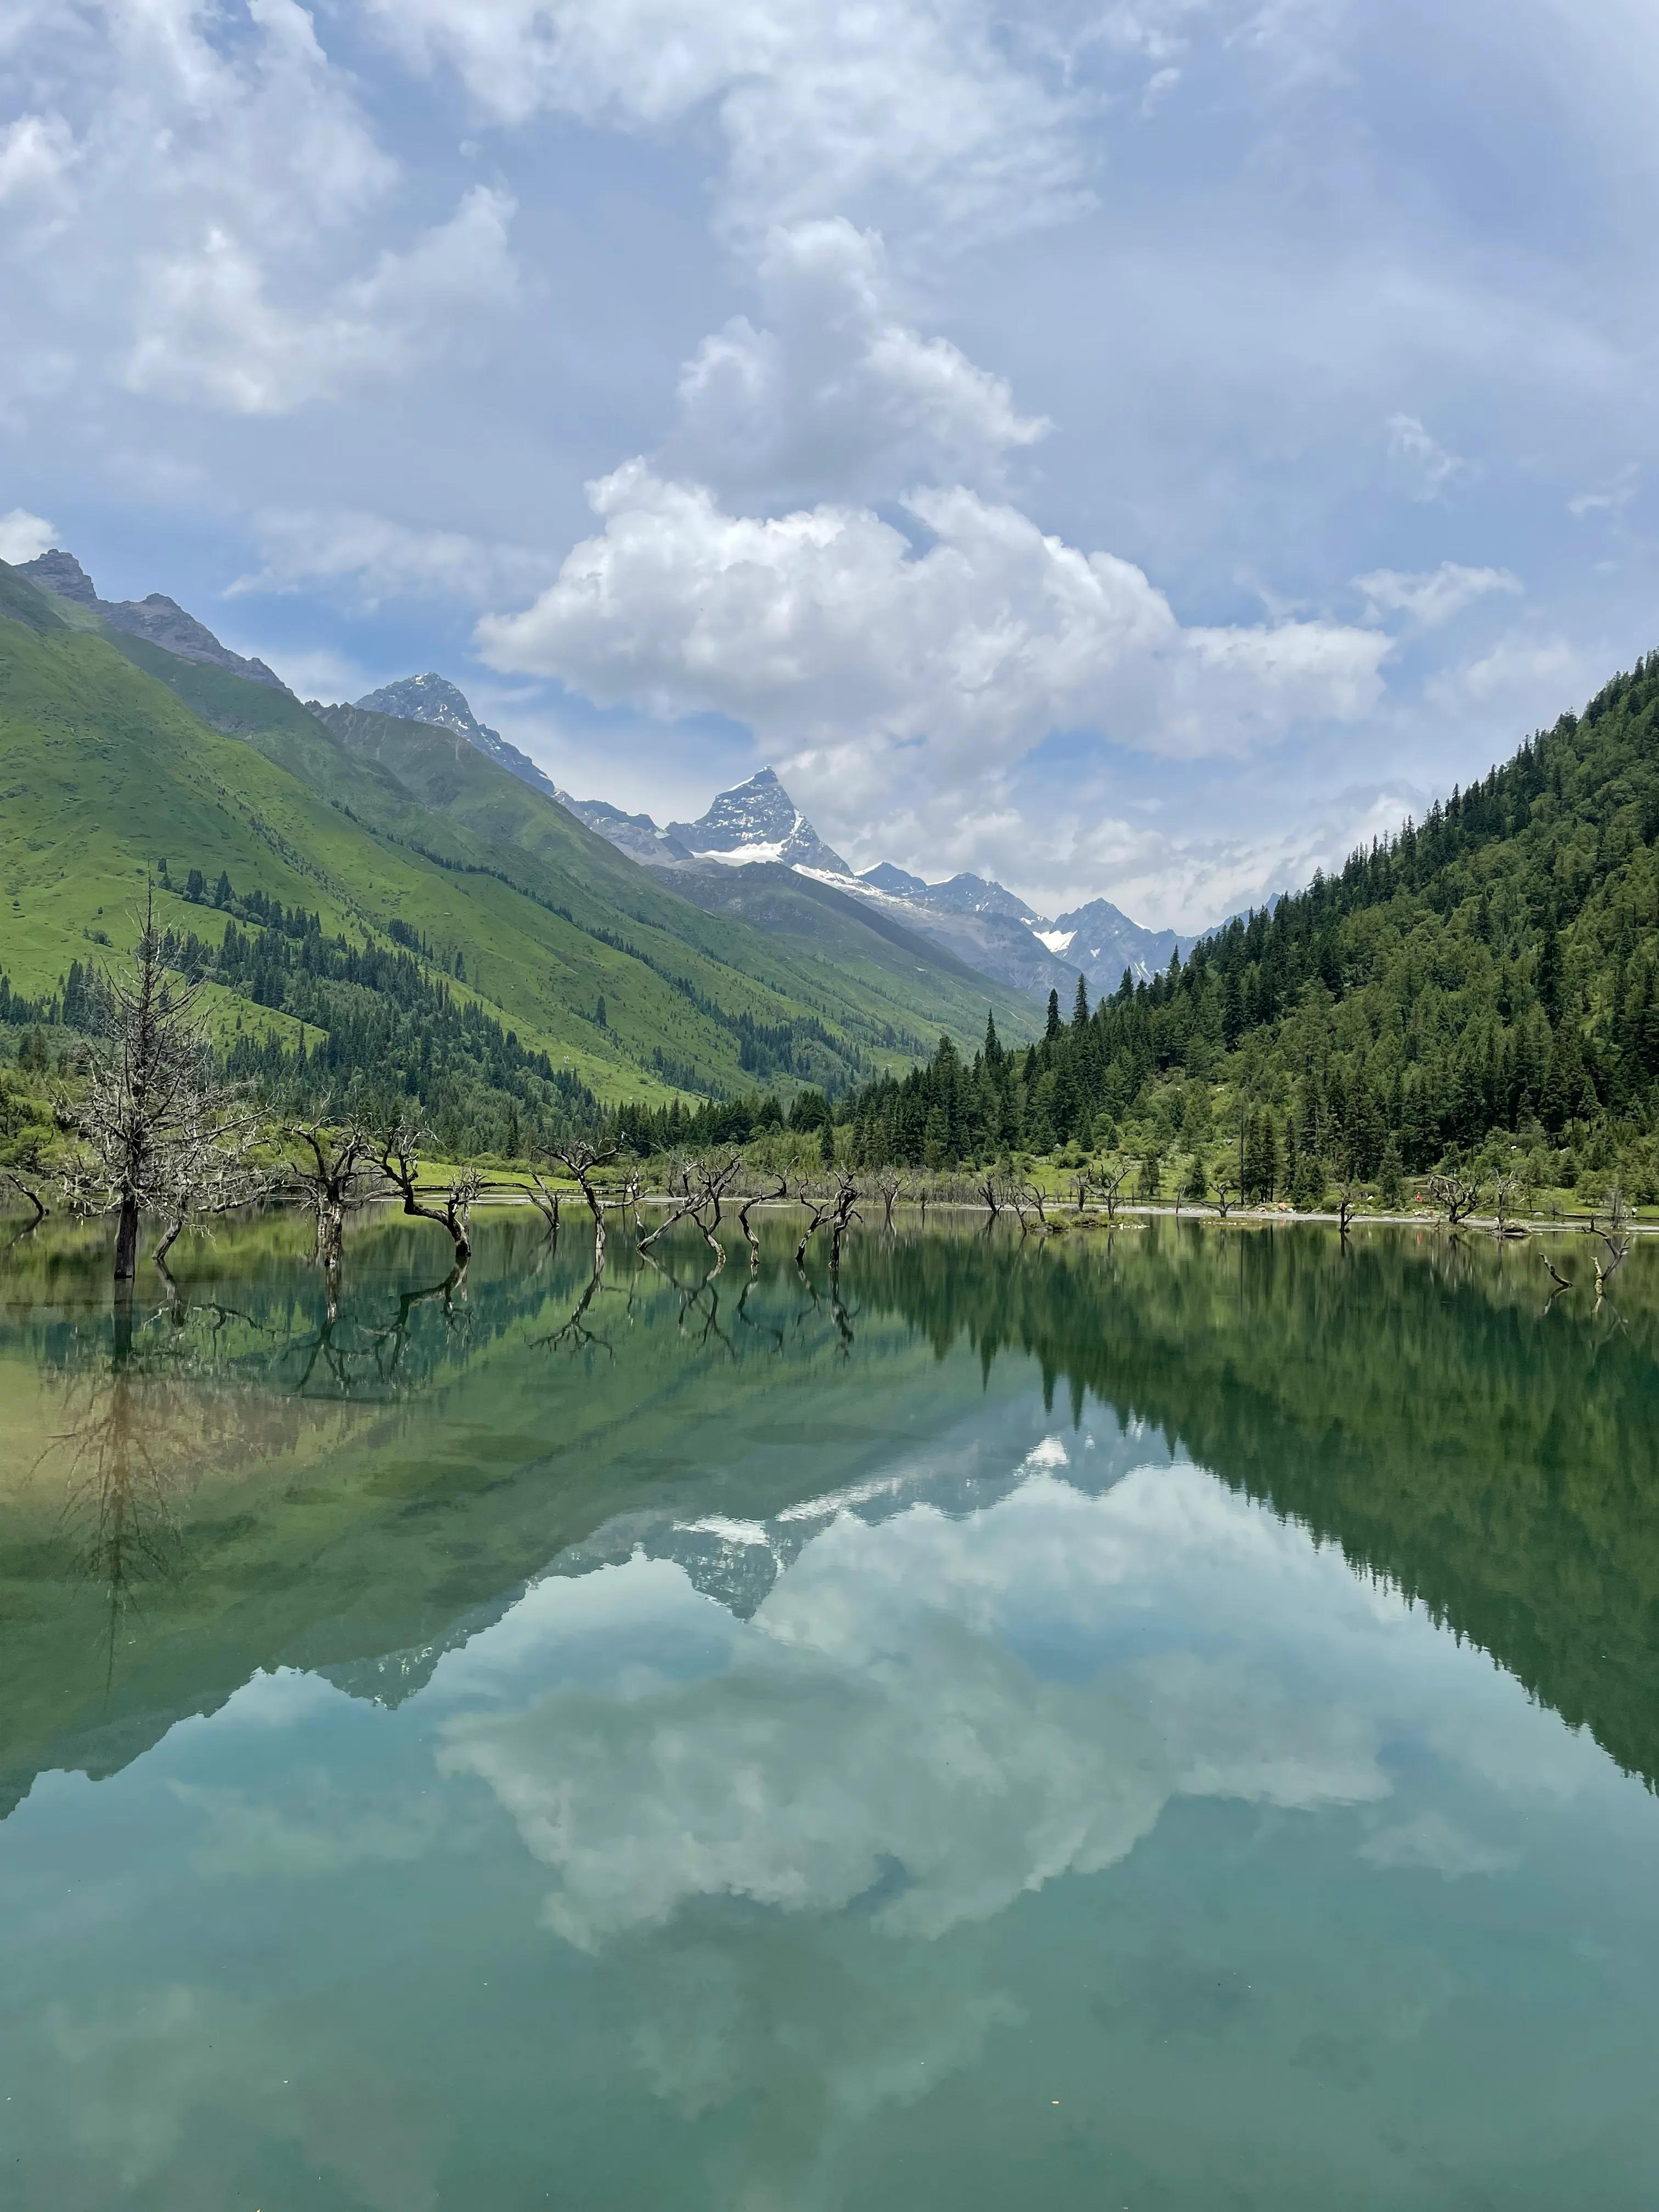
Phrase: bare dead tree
(1222, 1197)
(1615, 1239)
(222, 1181)
(749, 1235)
(822, 1208)
(1081, 1183)
(578, 1159)
(1505, 1194)
(153, 1122)
(395, 1151)
(1109, 1181)
(26, 1190)
(705, 1187)
(846, 1199)
(1561, 1282)
(546, 1203)
(1349, 1196)
(890, 1189)
(330, 1171)
(990, 1190)
(1456, 1195)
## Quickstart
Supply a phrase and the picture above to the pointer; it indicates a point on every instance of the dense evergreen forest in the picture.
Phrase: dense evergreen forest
(1482, 986)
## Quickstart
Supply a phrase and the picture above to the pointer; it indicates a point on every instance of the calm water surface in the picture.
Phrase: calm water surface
(1163, 1723)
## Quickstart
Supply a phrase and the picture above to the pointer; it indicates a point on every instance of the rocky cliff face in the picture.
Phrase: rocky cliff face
(159, 619)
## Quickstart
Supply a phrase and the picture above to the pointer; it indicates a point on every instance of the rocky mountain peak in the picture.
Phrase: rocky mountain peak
(157, 619)
(62, 572)
(758, 820)
(429, 698)
(435, 700)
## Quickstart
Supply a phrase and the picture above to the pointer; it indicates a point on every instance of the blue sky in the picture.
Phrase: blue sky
(1130, 451)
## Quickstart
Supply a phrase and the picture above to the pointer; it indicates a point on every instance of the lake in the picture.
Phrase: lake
(1167, 1720)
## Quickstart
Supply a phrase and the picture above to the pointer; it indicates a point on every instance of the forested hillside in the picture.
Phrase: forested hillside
(1482, 985)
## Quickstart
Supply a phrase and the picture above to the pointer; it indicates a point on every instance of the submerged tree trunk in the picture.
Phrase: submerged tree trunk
(127, 1239)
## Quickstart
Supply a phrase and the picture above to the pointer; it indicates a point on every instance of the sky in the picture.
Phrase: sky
(1132, 452)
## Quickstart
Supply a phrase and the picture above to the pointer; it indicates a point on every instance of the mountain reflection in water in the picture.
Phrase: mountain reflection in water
(975, 1728)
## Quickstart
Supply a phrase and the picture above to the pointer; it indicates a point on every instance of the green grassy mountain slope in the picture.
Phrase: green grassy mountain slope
(545, 929)
(809, 940)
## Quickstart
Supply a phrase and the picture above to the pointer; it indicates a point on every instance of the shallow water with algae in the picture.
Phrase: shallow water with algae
(1165, 1721)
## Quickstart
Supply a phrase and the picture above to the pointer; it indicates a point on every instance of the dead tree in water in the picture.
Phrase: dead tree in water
(1616, 1238)
(397, 1152)
(546, 1203)
(28, 1191)
(578, 1161)
(1348, 1196)
(1110, 1179)
(749, 1235)
(330, 1180)
(892, 1189)
(821, 1209)
(1080, 1183)
(1456, 1195)
(705, 1187)
(846, 1197)
(1505, 1192)
(992, 1192)
(157, 1127)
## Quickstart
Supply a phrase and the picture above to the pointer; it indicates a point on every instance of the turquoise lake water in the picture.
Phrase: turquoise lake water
(1158, 1721)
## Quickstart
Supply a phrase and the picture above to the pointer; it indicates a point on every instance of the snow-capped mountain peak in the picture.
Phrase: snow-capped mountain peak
(757, 820)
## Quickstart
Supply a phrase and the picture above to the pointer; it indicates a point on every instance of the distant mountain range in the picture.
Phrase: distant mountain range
(754, 825)
(757, 824)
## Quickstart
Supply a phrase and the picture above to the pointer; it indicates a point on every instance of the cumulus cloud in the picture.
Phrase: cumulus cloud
(36, 152)
(206, 178)
(827, 628)
(836, 389)
(1433, 596)
(820, 106)
(210, 332)
(23, 536)
(380, 559)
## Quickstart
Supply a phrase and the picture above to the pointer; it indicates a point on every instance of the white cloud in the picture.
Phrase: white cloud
(209, 332)
(1433, 596)
(1536, 677)
(1611, 498)
(24, 535)
(821, 106)
(36, 153)
(303, 549)
(1424, 460)
(830, 635)
(837, 390)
